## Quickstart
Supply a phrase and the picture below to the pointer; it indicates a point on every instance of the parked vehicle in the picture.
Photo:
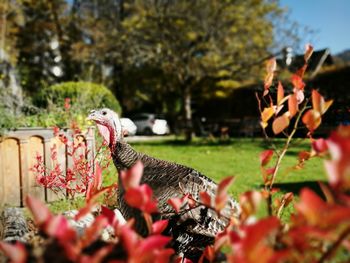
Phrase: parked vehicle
(129, 126)
(149, 124)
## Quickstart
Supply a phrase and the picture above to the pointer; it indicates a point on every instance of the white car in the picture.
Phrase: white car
(150, 124)
(129, 126)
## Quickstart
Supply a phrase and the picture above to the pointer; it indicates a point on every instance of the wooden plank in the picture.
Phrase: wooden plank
(24, 169)
(17, 151)
(35, 147)
(11, 172)
(2, 175)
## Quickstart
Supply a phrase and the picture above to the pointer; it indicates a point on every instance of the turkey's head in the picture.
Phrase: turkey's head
(108, 124)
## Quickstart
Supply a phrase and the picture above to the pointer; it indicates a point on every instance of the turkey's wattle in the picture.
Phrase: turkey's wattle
(191, 230)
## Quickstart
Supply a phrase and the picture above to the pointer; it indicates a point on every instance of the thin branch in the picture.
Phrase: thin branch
(331, 250)
(286, 146)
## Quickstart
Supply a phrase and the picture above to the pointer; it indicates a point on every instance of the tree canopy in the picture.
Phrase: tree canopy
(166, 53)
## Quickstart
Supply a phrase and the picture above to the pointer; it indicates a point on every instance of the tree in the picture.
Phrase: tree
(11, 19)
(199, 42)
(40, 59)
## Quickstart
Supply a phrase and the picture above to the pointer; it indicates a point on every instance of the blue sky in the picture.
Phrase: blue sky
(330, 19)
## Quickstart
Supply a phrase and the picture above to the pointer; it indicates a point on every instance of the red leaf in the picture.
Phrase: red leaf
(152, 243)
(280, 123)
(38, 209)
(319, 146)
(134, 197)
(205, 198)
(312, 119)
(265, 157)
(221, 195)
(176, 203)
(319, 213)
(252, 244)
(159, 226)
(132, 177)
(109, 214)
(297, 82)
(304, 156)
(95, 184)
(209, 253)
(93, 232)
(130, 239)
(164, 255)
(224, 185)
(301, 71)
(84, 210)
(318, 102)
(292, 105)
(249, 202)
(59, 228)
(141, 198)
(15, 252)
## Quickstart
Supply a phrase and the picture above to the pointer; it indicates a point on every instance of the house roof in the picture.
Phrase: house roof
(317, 60)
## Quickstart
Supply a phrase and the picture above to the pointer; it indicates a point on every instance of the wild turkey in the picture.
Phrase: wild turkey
(191, 230)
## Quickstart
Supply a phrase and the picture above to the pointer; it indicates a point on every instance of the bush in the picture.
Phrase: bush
(84, 96)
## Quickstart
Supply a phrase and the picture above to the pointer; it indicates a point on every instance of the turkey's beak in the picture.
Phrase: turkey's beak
(92, 116)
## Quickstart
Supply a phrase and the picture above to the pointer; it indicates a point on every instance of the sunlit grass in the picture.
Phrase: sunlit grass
(238, 157)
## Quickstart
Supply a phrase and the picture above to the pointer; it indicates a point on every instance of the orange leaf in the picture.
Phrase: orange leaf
(132, 177)
(38, 209)
(15, 252)
(292, 105)
(159, 226)
(312, 119)
(224, 185)
(176, 203)
(297, 82)
(301, 71)
(267, 114)
(280, 93)
(318, 102)
(265, 157)
(205, 198)
(280, 123)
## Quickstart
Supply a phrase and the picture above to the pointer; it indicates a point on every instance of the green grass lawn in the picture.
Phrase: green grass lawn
(238, 157)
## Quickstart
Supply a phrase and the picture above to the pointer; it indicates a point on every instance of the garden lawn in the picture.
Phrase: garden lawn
(237, 157)
(240, 158)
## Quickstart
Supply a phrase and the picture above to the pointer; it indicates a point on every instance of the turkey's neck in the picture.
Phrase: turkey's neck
(124, 156)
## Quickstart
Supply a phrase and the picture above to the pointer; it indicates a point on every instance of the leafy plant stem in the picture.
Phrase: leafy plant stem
(335, 245)
(286, 146)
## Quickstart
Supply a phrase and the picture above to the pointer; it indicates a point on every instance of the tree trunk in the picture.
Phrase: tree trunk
(188, 114)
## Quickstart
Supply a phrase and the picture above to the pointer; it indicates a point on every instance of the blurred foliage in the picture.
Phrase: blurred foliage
(6, 119)
(60, 105)
(84, 96)
(161, 56)
(54, 109)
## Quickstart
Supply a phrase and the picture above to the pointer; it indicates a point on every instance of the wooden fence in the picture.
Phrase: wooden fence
(18, 150)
